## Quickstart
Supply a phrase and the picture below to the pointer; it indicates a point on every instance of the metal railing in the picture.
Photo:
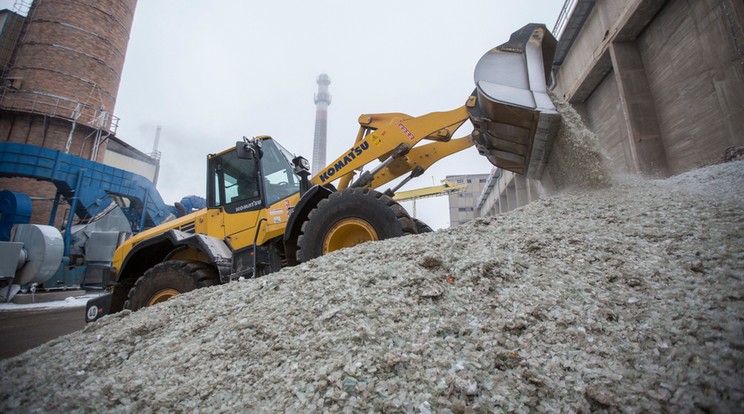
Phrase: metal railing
(560, 23)
(57, 107)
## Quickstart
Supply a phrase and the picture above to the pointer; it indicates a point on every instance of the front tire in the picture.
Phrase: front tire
(350, 217)
(168, 279)
(422, 227)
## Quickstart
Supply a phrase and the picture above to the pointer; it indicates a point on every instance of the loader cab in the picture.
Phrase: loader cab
(254, 174)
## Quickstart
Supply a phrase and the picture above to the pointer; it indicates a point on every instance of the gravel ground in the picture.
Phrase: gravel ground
(620, 297)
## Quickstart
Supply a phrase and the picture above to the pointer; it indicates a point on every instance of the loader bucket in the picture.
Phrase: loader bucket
(514, 119)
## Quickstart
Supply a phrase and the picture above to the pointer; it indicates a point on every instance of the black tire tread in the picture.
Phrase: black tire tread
(200, 274)
(422, 227)
(404, 220)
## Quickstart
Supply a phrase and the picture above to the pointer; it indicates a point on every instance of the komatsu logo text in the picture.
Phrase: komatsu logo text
(332, 170)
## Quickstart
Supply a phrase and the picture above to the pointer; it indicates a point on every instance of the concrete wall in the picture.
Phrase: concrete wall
(660, 82)
(696, 78)
(603, 114)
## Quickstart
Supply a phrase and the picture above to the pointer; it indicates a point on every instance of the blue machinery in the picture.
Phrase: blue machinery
(90, 189)
(87, 186)
(14, 208)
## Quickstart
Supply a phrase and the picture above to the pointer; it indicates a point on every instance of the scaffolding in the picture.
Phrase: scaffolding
(101, 122)
(41, 103)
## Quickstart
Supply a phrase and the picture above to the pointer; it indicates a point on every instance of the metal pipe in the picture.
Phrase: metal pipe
(366, 178)
(54, 209)
(416, 172)
(73, 207)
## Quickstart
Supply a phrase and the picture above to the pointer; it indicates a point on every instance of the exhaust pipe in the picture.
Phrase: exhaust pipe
(514, 120)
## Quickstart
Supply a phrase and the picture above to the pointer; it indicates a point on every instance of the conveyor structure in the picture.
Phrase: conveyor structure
(110, 204)
(88, 187)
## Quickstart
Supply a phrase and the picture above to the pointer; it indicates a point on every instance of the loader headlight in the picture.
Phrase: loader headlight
(300, 164)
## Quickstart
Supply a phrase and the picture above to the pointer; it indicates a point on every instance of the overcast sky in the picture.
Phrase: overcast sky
(212, 72)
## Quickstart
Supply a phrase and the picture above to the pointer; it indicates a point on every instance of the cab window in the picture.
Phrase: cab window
(280, 180)
(235, 179)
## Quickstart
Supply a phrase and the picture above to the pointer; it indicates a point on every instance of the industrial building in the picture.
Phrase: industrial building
(462, 204)
(505, 191)
(61, 67)
(660, 82)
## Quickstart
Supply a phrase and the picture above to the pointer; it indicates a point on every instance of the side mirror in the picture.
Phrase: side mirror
(245, 150)
(302, 169)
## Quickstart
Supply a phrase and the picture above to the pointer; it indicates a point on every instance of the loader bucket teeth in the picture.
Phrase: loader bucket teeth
(514, 119)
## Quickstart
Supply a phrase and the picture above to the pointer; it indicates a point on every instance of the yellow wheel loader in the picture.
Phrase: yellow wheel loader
(264, 210)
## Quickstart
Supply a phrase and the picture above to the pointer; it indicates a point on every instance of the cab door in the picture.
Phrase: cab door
(234, 197)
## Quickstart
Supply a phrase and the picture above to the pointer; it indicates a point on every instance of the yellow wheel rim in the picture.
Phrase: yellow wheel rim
(348, 232)
(162, 296)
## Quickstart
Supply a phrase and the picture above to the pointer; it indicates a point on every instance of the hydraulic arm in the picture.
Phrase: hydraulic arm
(514, 122)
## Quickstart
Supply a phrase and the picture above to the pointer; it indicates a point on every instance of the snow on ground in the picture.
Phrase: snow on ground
(615, 295)
(69, 302)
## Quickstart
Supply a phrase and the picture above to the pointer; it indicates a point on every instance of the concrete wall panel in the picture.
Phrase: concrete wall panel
(604, 116)
(695, 80)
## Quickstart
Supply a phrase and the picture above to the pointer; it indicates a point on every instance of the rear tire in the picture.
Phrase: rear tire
(350, 217)
(168, 279)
